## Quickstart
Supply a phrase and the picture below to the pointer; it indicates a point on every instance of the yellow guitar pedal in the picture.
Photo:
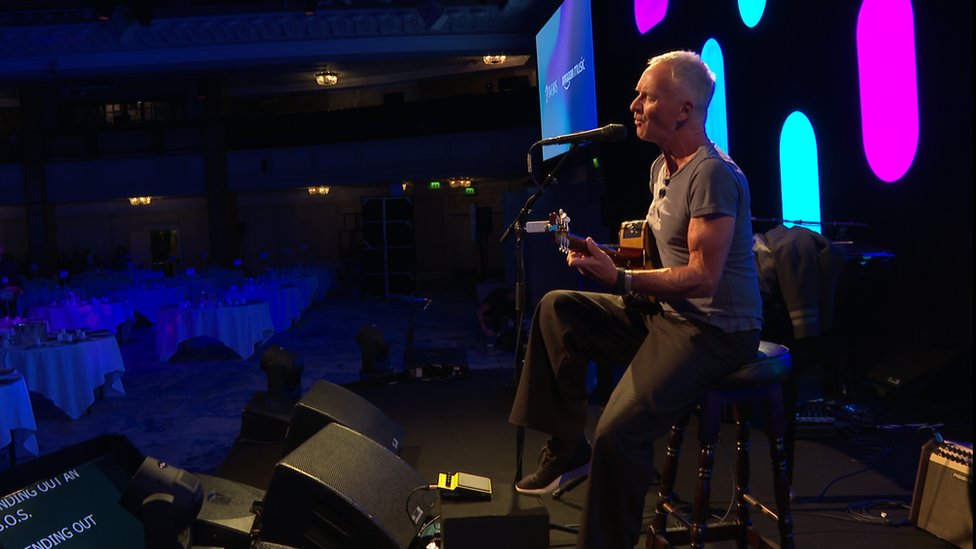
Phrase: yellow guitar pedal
(463, 486)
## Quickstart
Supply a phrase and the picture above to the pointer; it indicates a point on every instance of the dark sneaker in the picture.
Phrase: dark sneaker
(556, 470)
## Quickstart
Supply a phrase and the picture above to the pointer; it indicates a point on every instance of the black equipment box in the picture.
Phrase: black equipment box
(510, 519)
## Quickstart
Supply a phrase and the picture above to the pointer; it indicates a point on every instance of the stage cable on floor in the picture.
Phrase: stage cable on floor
(428, 488)
(861, 511)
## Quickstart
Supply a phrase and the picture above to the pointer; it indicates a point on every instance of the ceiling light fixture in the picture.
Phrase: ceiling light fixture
(327, 78)
(494, 59)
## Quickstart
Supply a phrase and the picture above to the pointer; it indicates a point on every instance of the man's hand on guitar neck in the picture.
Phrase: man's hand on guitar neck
(595, 264)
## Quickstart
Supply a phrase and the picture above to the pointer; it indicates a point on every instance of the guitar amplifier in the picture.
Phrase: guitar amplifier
(943, 500)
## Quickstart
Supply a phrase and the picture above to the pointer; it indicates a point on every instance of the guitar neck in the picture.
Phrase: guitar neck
(624, 257)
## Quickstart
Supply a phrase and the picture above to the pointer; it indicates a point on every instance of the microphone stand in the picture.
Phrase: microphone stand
(518, 228)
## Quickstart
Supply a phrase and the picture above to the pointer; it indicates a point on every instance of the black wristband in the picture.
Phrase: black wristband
(618, 287)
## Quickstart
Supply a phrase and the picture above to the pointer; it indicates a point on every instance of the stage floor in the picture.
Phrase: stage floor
(188, 412)
(461, 425)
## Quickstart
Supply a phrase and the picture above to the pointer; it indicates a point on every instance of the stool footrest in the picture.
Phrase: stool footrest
(766, 510)
(558, 492)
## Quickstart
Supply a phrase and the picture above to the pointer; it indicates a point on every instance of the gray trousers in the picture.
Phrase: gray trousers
(671, 363)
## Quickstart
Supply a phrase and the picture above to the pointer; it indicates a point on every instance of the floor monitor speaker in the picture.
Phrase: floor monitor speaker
(340, 490)
(327, 403)
(266, 417)
(227, 517)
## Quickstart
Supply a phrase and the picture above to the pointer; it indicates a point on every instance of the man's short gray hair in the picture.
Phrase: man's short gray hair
(689, 71)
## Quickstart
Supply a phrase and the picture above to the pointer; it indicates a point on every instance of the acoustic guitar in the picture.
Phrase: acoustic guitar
(636, 249)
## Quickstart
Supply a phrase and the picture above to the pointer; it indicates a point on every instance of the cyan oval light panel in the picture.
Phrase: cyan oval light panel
(799, 171)
(751, 11)
(717, 121)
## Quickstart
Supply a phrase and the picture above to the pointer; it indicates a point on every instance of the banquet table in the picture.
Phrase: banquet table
(114, 315)
(194, 286)
(239, 327)
(225, 278)
(285, 303)
(142, 276)
(99, 287)
(17, 426)
(327, 275)
(147, 301)
(69, 373)
(40, 295)
(306, 286)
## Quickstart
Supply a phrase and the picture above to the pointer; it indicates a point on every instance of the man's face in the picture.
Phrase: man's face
(659, 108)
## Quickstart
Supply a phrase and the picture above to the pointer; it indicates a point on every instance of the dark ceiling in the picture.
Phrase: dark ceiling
(264, 48)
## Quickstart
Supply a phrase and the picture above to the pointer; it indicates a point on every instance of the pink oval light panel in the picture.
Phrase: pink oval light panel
(888, 86)
(648, 13)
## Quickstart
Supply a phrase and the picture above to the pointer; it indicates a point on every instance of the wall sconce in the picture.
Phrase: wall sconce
(327, 78)
(140, 200)
(460, 183)
(319, 190)
(494, 59)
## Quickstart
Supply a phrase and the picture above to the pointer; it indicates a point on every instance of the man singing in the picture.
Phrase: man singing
(704, 324)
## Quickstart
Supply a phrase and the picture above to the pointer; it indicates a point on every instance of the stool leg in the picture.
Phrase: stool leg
(777, 454)
(706, 459)
(668, 474)
(742, 467)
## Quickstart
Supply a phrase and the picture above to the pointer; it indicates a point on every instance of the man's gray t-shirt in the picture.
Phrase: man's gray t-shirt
(710, 183)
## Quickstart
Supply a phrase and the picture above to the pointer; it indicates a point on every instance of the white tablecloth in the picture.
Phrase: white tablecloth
(69, 373)
(306, 286)
(115, 316)
(143, 276)
(285, 304)
(147, 301)
(16, 415)
(225, 278)
(41, 296)
(324, 274)
(240, 327)
(327, 279)
(192, 287)
(99, 287)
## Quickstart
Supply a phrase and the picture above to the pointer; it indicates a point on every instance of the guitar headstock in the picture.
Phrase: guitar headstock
(559, 227)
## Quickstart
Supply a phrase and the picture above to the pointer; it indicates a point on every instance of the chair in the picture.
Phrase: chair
(760, 380)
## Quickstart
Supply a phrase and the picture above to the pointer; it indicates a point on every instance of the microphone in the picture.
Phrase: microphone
(610, 132)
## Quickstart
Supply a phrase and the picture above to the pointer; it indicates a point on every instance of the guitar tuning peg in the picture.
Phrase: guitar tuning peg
(563, 242)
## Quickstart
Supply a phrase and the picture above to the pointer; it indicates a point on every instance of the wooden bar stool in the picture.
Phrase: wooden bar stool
(759, 380)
